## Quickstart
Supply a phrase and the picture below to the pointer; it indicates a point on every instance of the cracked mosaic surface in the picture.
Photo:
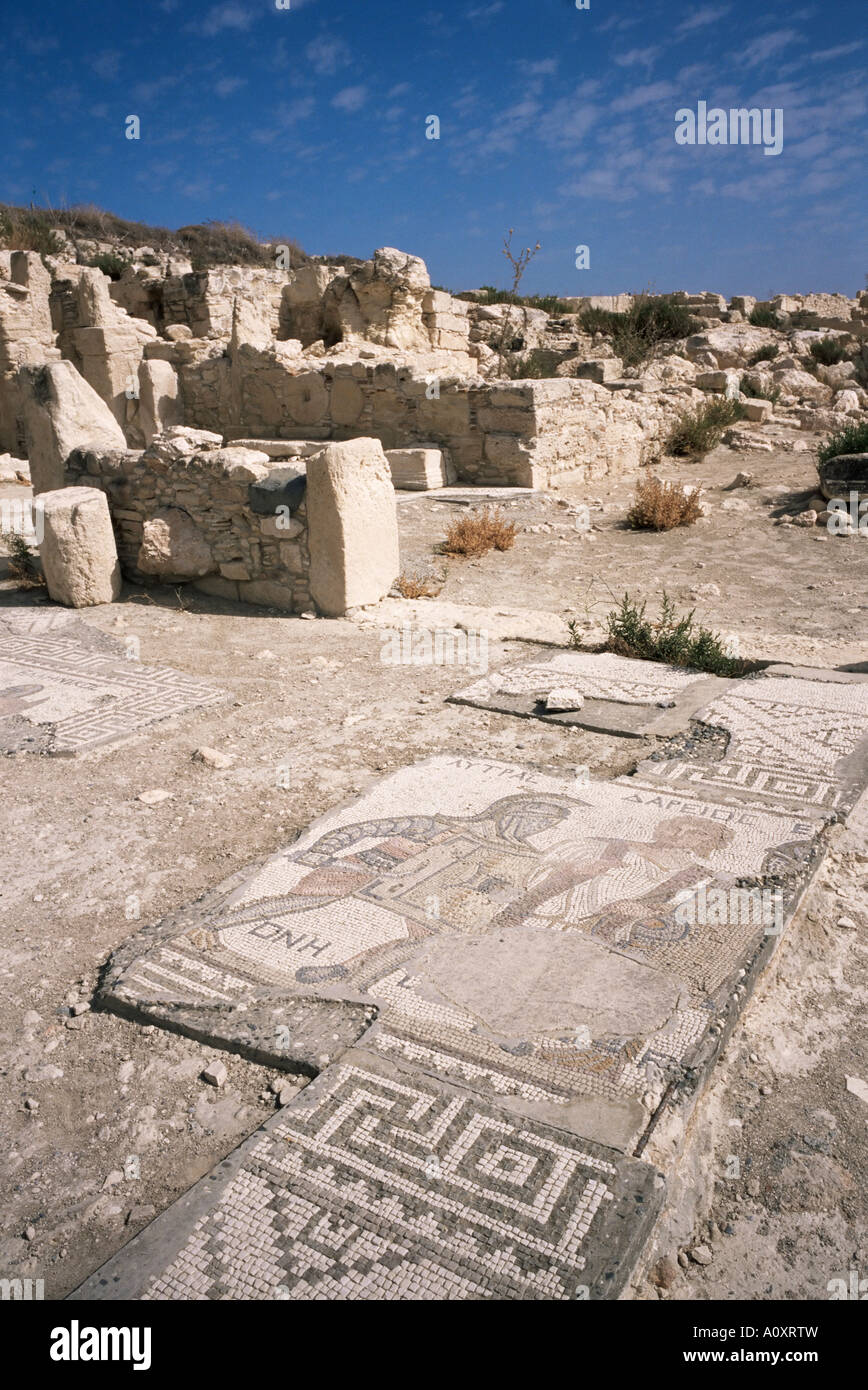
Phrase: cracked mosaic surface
(601, 676)
(791, 742)
(65, 688)
(453, 850)
(379, 1185)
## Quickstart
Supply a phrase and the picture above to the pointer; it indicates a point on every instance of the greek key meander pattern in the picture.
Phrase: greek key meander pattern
(389, 1189)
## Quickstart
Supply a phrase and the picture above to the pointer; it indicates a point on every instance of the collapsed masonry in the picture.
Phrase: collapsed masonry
(195, 399)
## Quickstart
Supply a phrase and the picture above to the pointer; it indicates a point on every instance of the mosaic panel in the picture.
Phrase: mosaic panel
(792, 742)
(65, 688)
(602, 676)
(378, 1184)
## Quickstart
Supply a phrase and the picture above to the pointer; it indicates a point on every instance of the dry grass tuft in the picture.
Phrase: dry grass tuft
(416, 586)
(660, 506)
(480, 532)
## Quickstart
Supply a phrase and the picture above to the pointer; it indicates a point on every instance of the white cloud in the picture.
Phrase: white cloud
(635, 57)
(326, 55)
(227, 85)
(226, 16)
(759, 50)
(350, 99)
(645, 96)
(699, 19)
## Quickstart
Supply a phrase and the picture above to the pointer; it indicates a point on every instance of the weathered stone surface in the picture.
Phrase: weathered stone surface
(78, 551)
(173, 547)
(757, 409)
(352, 525)
(159, 402)
(600, 369)
(61, 413)
(419, 468)
(848, 472)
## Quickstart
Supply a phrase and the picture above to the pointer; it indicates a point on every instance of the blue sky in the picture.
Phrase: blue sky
(310, 123)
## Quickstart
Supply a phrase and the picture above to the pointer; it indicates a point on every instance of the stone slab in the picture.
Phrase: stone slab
(634, 698)
(65, 687)
(378, 1183)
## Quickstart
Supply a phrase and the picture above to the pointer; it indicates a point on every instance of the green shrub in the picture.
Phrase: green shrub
(109, 263)
(850, 439)
(762, 318)
(828, 351)
(487, 294)
(639, 330)
(539, 362)
(696, 431)
(763, 354)
(674, 640)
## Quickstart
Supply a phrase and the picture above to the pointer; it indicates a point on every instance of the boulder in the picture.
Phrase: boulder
(845, 474)
(731, 345)
(159, 404)
(799, 384)
(352, 526)
(600, 369)
(757, 408)
(78, 551)
(173, 547)
(61, 413)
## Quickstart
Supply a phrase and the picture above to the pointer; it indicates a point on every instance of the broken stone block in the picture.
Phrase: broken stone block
(159, 404)
(78, 551)
(61, 413)
(600, 369)
(717, 381)
(756, 408)
(352, 526)
(419, 468)
(215, 1073)
(173, 547)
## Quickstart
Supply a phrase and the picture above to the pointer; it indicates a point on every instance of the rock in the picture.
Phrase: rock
(802, 385)
(62, 412)
(846, 923)
(138, 1214)
(846, 401)
(857, 1087)
(177, 332)
(81, 1006)
(215, 1073)
(730, 345)
(352, 526)
(701, 1254)
(212, 757)
(78, 551)
(153, 798)
(31, 1104)
(159, 400)
(755, 408)
(29, 1232)
(752, 1187)
(126, 1071)
(740, 480)
(682, 1259)
(173, 547)
(806, 518)
(114, 1177)
(600, 369)
(718, 381)
(563, 699)
(420, 468)
(665, 1272)
(844, 474)
(181, 441)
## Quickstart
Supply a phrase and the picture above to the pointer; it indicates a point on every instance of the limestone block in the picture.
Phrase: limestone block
(78, 551)
(173, 547)
(352, 526)
(61, 413)
(600, 369)
(159, 402)
(419, 468)
(757, 409)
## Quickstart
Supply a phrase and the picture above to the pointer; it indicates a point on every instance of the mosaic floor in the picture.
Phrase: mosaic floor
(510, 992)
(381, 1184)
(65, 687)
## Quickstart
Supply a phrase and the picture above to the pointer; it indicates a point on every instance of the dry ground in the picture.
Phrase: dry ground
(313, 699)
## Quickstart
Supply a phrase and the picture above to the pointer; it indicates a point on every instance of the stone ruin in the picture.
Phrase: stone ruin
(211, 408)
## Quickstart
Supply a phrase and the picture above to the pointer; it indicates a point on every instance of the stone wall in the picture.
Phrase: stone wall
(523, 433)
(187, 509)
